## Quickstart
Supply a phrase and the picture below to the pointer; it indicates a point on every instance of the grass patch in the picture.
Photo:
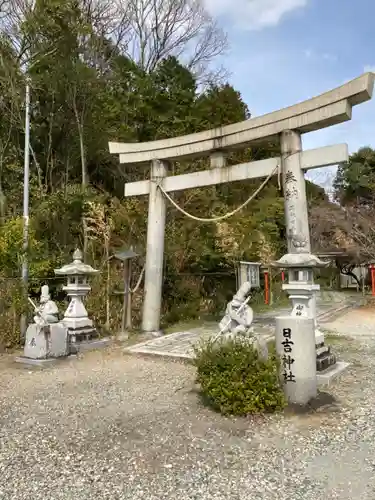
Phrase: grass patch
(333, 338)
(182, 326)
(272, 347)
(261, 307)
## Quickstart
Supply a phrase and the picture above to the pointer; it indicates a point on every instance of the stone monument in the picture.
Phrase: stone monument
(46, 338)
(295, 346)
(239, 315)
(238, 319)
(47, 312)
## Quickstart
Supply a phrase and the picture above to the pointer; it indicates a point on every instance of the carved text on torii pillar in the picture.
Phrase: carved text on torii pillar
(290, 189)
(291, 195)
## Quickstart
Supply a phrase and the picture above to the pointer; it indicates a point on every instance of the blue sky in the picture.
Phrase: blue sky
(285, 51)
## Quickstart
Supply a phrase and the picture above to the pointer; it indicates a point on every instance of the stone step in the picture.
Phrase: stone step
(330, 296)
(334, 312)
(327, 296)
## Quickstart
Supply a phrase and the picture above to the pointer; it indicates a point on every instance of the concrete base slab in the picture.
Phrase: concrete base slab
(82, 347)
(93, 344)
(122, 336)
(180, 345)
(328, 376)
(38, 362)
(155, 334)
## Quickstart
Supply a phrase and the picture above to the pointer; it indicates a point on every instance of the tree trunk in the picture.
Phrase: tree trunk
(349, 272)
(107, 300)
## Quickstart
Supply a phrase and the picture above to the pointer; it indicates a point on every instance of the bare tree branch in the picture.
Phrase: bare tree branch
(351, 229)
(180, 28)
(108, 19)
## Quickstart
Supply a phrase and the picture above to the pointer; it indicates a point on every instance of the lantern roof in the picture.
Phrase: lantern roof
(125, 254)
(77, 267)
(300, 260)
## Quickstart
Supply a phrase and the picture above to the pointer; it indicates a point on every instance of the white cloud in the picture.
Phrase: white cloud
(310, 54)
(369, 68)
(329, 57)
(253, 14)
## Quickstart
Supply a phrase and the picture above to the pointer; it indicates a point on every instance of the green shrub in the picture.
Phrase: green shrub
(11, 307)
(235, 380)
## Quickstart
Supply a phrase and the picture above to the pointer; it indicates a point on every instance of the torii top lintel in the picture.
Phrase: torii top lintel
(330, 108)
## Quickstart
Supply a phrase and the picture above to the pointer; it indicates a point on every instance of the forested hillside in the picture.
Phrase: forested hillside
(100, 72)
(348, 224)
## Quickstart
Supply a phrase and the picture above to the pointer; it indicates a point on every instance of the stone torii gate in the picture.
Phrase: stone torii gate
(285, 125)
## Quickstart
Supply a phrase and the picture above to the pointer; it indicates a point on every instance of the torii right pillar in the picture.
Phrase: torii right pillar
(299, 261)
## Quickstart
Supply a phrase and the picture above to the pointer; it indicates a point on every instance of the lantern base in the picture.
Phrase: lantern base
(90, 345)
(79, 335)
(324, 357)
(74, 323)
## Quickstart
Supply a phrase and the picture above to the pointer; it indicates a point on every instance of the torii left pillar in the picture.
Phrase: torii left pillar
(155, 251)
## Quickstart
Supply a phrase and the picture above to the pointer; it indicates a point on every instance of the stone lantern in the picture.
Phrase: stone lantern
(126, 256)
(80, 327)
(302, 293)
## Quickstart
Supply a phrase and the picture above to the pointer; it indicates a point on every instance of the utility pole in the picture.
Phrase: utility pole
(26, 179)
(26, 190)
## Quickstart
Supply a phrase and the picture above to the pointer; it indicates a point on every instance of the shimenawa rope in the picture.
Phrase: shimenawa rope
(226, 216)
(133, 290)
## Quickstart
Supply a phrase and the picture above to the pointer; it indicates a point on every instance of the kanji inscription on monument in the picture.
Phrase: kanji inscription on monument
(287, 359)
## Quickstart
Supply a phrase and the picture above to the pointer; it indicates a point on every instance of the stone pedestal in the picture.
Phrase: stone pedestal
(295, 346)
(59, 342)
(46, 341)
(76, 320)
(36, 342)
(302, 295)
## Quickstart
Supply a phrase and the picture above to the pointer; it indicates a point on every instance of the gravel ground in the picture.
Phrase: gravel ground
(114, 426)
